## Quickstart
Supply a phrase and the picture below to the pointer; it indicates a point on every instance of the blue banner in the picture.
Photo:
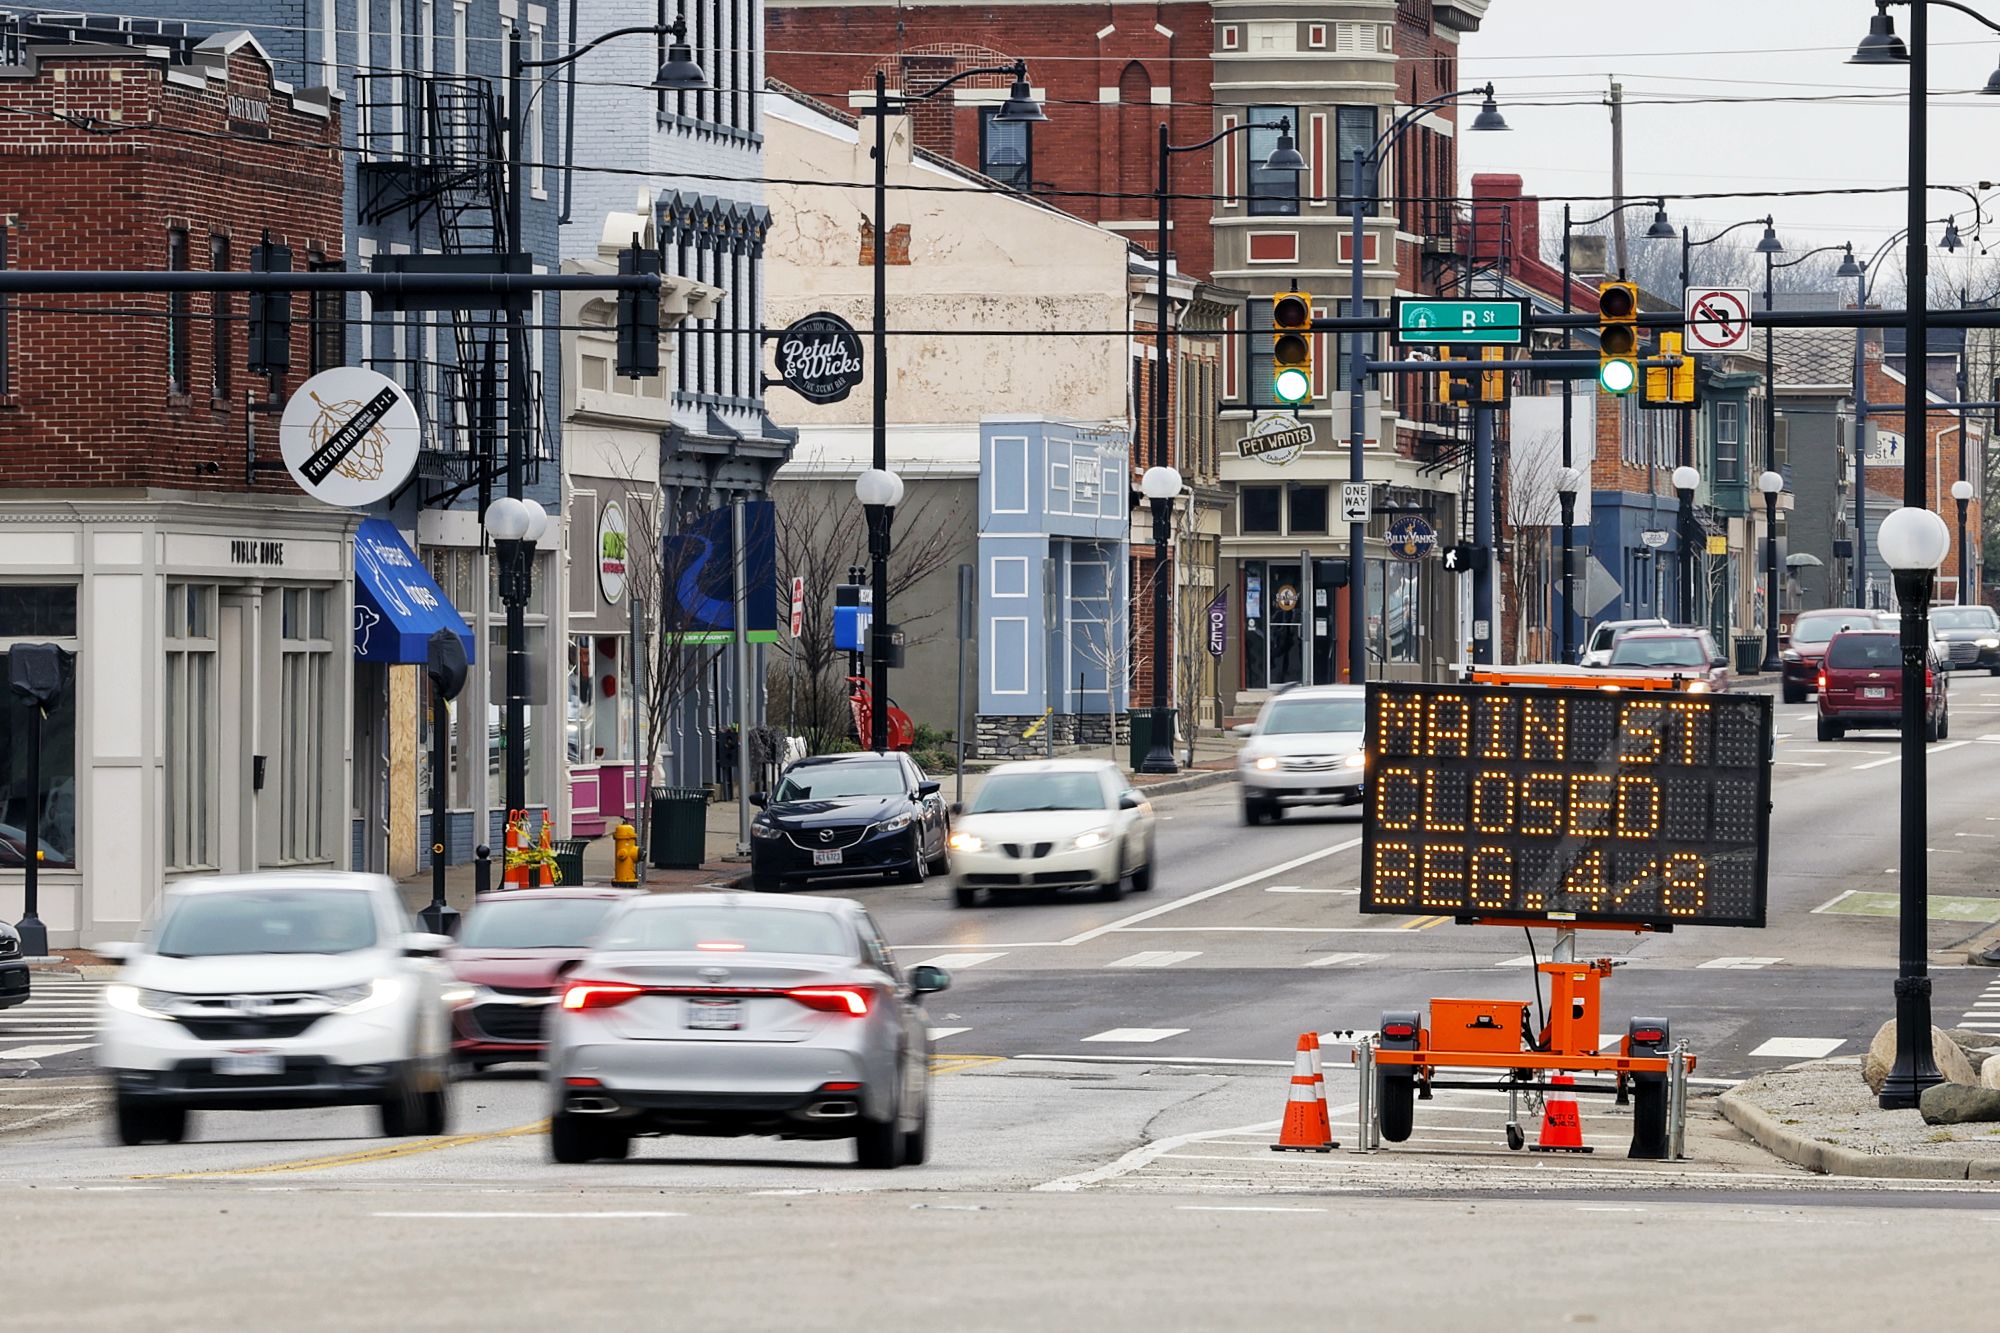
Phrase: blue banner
(699, 574)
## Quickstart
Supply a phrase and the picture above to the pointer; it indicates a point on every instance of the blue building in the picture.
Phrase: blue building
(1054, 594)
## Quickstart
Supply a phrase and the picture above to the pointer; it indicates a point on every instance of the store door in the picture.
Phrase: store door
(236, 825)
(1273, 638)
(371, 764)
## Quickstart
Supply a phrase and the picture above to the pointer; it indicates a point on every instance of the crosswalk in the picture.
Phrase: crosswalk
(1158, 958)
(60, 1018)
(1984, 1015)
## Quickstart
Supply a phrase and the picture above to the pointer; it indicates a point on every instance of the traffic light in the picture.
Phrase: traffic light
(638, 316)
(270, 350)
(1291, 347)
(1492, 383)
(1457, 381)
(1670, 385)
(1465, 558)
(1617, 337)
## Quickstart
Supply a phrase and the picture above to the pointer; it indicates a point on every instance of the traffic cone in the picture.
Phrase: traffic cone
(1562, 1128)
(1306, 1128)
(516, 876)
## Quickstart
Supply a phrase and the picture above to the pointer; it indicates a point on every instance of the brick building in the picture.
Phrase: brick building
(206, 726)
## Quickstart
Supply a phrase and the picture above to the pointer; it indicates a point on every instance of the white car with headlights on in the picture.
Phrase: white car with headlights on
(1052, 824)
(278, 990)
(1305, 748)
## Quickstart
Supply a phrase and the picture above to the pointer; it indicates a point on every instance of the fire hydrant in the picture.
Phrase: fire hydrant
(625, 856)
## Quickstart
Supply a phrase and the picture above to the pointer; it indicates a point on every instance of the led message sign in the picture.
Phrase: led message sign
(1642, 807)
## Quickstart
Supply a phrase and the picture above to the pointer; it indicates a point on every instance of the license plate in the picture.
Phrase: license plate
(249, 1064)
(1874, 691)
(830, 858)
(714, 1015)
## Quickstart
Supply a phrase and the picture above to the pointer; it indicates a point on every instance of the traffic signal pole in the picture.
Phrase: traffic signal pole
(1357, 431)
(1482, 535)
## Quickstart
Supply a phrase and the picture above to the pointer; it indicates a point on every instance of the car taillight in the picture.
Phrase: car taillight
(840, 1087)
(850, 1000)
(1399, 1031)
(598, 994)
(1930, 678)
(582, 1083)
(1822, 680)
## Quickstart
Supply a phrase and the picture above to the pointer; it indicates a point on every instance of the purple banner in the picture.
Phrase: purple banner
(1218, 623)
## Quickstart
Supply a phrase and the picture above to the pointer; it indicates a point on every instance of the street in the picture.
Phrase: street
(1100, 1068)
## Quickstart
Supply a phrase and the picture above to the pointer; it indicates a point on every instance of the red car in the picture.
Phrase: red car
(1860, 685)
(1804, 645)
(508, 964)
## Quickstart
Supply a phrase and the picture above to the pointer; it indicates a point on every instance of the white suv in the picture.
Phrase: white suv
(278, 990)
(1305, 748)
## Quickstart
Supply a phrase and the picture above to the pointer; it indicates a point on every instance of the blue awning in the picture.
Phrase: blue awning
(397, 605)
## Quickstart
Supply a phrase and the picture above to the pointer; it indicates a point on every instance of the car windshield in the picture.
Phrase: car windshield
(722, 928)
(1863, 650)
(245, 921)
(1298, 717)
(1006, 792)
(1964, 617)
(829, 782)
(534, 923)
(1681, 650)
(1820, 628)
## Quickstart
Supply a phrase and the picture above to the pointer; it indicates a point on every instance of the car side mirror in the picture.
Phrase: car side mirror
(120, 952)
(422, 944)
(1244, 729)
(929, 788)
(928, 980)
(759, 799)
(1718, 662)
(1129, 801)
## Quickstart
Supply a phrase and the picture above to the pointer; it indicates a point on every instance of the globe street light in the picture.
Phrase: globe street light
(1160, 484)
(516, 526)
(1771, 483)
(1913, 542)
(1961, 491)
(1687, 480)
(1569, 481)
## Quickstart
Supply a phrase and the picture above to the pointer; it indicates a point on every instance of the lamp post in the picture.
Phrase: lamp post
(1687, 480)
(516, 525)
(1366, 163)
(1020, 108)
(1569, 481)
(1661, 230)
(1961, 491)
(879, 491)
(1160, 484)
(677, 73)
(1771, 483)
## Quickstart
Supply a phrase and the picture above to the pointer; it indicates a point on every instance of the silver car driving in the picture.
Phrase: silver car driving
(736, 1013)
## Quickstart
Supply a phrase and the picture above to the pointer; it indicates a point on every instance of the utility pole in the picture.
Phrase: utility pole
(1618, 172)
(1482, 534)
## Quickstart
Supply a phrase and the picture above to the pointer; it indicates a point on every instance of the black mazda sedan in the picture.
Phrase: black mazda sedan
(848, 814)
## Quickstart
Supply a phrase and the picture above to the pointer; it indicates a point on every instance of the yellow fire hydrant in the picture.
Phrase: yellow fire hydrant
(625, 856)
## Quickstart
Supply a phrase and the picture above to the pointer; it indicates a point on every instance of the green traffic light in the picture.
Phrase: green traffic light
(1617, 376)
(1291, 385)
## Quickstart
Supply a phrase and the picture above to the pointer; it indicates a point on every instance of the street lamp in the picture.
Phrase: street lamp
(1687, 480)
(1569, 480)
(1771, 483)
(1160, 484)
(879, 491)
(516, 525)
(1913, 542)
(1661, 230)
(1367, 161)
(1020, 108)
(1961, 491)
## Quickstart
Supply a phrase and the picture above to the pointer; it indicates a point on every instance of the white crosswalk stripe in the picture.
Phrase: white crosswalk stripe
(1984, 1015)
(59, 1012)
(1798, 1048)
(1344, 959)
(1155, 958)
(949, 961)
(1136, 1034)
(1740, 964)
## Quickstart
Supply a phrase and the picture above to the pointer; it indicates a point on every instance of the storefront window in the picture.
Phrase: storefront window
(190, 726)
(1393, 610)
(304, 707)
(58, 794)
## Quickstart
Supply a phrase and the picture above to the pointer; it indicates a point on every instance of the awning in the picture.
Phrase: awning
(397, 605)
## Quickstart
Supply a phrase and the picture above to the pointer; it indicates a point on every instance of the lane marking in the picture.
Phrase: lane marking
(939, 1034)
(1739, 964)
(1799, 1048)
(497, 1216)
(1344, 959)
(1237, 1208)
(951, 960)
(1084, 937)
(1423, 923)
(45, 1052)
(1135, 1034)
(1294, 888)
(1160, 1060)
(1897, 758)
(941, 1065)
(359, 1158)
(1261, 930)
(1155, 958)
(1146, 1154)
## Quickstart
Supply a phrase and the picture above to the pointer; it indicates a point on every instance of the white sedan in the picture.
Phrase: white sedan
(1052, 824)
(1306, 748)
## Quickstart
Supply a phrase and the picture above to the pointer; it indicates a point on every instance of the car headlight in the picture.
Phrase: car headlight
(1359, 759)
(1790, 656)
(966, 842)
(766, 831)
(365, 996)
(461, 993)
(1265, 763)
(1092, 837)
(132, 1000)
(1989, 643)
(1697, 687)
(896, 824)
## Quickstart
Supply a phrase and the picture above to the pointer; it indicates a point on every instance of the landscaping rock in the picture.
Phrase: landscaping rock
(1950, 1104)
(1989, 1073)
(1970, 1041)
(1950, 1060)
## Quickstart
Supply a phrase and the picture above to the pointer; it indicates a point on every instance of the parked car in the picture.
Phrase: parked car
(1971, 634)
(13, 969)
(1305, 748)
(1861, 685)
(509, 961)
(277, 990)
(1688, 652)
(849, 814)
(1596, 650)
(1801, 650)
(1053, 824)
(731, 1014)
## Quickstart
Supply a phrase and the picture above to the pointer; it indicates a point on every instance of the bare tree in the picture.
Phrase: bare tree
(1195, 669)
(1533, 509)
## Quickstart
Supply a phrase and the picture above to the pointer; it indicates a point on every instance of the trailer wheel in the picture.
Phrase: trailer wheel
(1649, 1120)
(1516, 1140)
(1396, 1104)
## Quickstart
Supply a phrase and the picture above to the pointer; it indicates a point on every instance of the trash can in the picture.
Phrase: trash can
(1141, 725)
(680, 827)
(1749, 654)
(569, 858)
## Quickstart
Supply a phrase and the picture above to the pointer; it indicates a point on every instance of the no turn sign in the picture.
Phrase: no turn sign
(1718, 319)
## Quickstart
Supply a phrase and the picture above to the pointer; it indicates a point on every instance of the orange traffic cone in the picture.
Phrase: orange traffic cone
(1562, 1128)
(1306, 1128)
(517, 875)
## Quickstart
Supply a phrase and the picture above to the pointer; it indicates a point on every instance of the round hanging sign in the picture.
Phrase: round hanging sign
(819, 357)
(611, 548)
(350, 437)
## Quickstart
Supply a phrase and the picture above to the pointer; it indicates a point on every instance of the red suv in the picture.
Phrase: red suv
(1805, 644)
(1860, 685)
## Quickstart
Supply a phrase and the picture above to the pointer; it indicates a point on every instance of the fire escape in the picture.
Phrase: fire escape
(431, 156)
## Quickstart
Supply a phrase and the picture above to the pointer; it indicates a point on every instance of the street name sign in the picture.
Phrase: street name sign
(1459, 321)
(1528, 803)
(1718, 319)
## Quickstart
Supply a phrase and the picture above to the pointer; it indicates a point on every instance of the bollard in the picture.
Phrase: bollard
(625, 856)
(482, 869)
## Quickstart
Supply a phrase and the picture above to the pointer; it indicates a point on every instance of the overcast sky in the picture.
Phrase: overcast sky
(1552, 61)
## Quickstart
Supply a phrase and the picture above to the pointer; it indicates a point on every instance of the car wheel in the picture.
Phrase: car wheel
(576, 1138)
(763, 883)
(1255, 812)
(1933, 730)
(965, 897)
(1142, 878)
(1112, 890)
(1993, 671)
(1828, 731)
(433, 1112)
(879, 1144)
(401, 1110)
(917, 1142)
(1944, 723)
(139, 1122)
(914, 872)
(1794, 694)
(1395, 1104)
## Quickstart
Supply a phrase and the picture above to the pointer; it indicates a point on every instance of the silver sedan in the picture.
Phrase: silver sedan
(731, 1014)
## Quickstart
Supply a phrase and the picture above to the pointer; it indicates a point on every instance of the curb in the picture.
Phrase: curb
(1830, 1159)
(1208, 777)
